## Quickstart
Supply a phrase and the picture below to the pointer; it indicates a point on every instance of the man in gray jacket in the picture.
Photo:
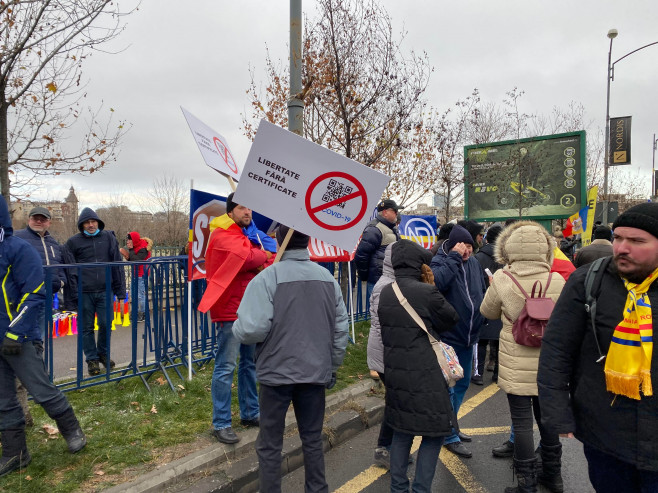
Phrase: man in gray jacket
(294, 312)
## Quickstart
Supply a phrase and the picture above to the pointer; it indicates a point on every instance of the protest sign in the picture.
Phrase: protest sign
(308, 187)
(420, 229)
(213, 147)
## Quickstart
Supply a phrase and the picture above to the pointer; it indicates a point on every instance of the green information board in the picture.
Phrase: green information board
(536, 178)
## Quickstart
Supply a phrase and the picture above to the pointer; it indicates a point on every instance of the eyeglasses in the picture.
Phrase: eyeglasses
(39, 219)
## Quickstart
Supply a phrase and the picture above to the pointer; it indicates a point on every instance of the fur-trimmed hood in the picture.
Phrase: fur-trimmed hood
(524, 241)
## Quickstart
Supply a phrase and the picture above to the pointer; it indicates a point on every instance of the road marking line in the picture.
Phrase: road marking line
(493, 430)
(455, 466)
(363, 480)
(460, 472)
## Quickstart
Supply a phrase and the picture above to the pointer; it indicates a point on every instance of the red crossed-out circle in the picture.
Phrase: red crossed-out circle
(313, 211)
(225, 154)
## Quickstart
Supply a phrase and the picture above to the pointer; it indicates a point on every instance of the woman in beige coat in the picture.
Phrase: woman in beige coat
(526, 250)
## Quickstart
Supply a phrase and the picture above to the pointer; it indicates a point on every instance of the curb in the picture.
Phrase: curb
(228, 468)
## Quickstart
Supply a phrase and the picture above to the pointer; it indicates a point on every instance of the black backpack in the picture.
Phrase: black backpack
(593, 281)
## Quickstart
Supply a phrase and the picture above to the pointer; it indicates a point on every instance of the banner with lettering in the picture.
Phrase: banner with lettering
(421, 229)
(620, 140)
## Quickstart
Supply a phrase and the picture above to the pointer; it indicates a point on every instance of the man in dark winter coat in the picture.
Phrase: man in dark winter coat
(417, 399)
(95, 244)
(460, 279)
(21, 351)
(595, 379)
(601, 246)
(36, 234)
(378, 234)
(490, 331)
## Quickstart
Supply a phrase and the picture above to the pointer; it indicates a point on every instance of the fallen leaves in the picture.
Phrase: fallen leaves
(50, 430)
(154, 409)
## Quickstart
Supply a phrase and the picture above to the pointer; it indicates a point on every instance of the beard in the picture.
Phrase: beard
(630, 270)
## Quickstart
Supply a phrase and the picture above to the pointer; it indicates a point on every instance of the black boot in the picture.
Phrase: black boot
(14, 451)
(526, 477)
(551, 468)
(482, 356)
(70, 429)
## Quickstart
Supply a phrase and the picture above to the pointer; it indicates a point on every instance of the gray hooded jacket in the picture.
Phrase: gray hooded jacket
(375, 344)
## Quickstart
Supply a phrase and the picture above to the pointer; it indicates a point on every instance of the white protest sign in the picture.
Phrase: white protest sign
(308, 187)
(213, 147)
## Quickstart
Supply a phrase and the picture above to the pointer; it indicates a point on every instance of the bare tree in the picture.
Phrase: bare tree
(42, 95)
(363, 96)
(169, 201)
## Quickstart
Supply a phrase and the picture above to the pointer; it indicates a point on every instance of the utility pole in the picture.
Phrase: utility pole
(296, 103)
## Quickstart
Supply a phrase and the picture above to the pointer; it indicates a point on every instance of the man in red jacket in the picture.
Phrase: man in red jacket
(236, 252)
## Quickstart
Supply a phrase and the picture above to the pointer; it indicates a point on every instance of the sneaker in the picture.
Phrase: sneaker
(226, 435)
(477, 380)
(141, 317)
(103, 359)
(383, 458)
(93, 367)
(504, 450)
(250, 423)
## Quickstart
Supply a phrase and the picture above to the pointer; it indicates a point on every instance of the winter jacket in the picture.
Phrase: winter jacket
(417, 399)
(50, 252)
(295, 314)
(140, 251)
(103, 247)
(462, 284)
(23, 293)
(369, 255)
(485, 255)
(375, 345)
(572, 389)
(526, 250)
(231, 262)
(597, 249)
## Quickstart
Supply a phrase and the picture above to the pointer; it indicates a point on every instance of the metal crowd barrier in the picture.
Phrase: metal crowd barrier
(141, 349)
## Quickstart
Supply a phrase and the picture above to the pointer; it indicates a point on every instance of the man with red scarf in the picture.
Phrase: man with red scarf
(139, 250)
(597, 362)
(236, 252)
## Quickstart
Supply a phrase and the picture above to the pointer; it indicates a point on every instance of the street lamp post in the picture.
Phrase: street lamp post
(612, 34)
(653, 169)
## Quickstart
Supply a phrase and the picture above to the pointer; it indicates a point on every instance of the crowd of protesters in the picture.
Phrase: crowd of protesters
(588, 375)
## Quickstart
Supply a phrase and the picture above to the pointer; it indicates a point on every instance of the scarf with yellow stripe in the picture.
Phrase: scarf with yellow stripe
(628, 363)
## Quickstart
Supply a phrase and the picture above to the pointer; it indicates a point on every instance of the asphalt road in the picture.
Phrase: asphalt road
(484, 416)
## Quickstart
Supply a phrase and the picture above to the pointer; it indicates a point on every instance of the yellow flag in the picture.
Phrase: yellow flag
(591, 204)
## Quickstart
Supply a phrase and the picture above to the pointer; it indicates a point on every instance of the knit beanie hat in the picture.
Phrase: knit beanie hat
(642, 216)
(458, 234)
(298, 241)
(473, 227)
(230, 205)
(493, 232)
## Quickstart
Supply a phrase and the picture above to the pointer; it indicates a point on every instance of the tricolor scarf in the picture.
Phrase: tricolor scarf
(628, 363)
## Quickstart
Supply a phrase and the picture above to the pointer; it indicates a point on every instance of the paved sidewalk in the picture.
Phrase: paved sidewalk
(230, 468)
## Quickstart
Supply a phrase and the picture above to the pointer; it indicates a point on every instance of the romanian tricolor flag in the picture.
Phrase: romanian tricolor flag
(577, 223)
(561, 264)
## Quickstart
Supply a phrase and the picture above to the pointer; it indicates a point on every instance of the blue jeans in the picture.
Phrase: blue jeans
(428, 456)
(29, 368)
(228, 348)
(369, 287)
(94, 303)
(141, 294)
(611, 475)
(41, 321)
(465, 356)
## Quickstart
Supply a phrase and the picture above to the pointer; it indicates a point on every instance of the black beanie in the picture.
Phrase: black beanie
(642, 216)
(230, 205)
(298, 241)
(493, 232)
(459, 234)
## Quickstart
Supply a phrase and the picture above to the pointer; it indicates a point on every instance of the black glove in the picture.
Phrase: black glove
(11, 347)
(330, 384)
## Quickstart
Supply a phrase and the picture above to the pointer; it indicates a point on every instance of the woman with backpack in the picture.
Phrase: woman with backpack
(526, 250)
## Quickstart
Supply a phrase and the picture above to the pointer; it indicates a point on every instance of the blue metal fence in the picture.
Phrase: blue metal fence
(142, 349)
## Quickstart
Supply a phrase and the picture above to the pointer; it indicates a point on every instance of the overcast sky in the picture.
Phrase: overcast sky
(197, 54)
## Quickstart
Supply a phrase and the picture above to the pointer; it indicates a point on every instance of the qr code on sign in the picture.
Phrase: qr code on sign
(336, 190)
